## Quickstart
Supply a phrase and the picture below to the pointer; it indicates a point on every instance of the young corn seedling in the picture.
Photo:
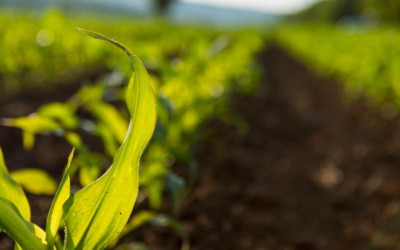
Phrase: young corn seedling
(95, 215)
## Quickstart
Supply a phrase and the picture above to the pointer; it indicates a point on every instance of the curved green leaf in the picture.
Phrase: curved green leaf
(10, 190)
(35, 181)
(56, 211)
(23, 232)
(98, 213)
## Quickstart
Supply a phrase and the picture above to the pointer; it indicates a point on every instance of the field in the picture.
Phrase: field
(261, 142)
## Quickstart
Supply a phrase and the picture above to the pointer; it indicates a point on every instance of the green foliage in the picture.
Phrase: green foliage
(194, 73)
(96, 215)
(365, 60)
(323, 11)
(388, 10)
(171, 52)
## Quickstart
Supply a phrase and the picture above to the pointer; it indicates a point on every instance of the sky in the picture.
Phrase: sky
(268, 6)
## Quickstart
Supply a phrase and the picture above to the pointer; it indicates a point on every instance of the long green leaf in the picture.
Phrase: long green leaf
(23, 232)
(98, 213)
(56, 209)
(10, 190)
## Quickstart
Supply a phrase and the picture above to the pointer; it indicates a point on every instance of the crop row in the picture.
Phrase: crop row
(194, 73)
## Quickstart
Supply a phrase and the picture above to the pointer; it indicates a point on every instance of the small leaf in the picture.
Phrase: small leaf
(110, 144)
(10, 190)
(61, 112)
(98, 213)
(132, 246)
(177, 187)
(136, 221)
(56, 211)
(74, 140)
(35, 181)
(153, 179)
(110, 117)
(90, 170)
(162, 220)
(33, 124)
(12, 223)
(28, 139)
(90, 165)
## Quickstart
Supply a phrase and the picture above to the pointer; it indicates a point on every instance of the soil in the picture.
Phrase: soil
(314, 172)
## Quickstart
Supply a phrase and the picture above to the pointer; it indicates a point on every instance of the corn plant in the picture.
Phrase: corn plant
(96, 215)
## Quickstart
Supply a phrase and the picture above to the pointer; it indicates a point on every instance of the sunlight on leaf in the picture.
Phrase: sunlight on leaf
(12, 191)
(56, 210)
(98, 213)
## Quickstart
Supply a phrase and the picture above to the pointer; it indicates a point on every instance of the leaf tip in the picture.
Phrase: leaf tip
(70, 157)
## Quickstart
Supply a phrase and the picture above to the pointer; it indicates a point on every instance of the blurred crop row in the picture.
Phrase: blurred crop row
(366, 59)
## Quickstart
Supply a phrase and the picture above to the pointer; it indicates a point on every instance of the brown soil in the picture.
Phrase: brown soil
(315, 171)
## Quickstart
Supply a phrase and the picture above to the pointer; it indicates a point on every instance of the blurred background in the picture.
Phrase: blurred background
(277, 122)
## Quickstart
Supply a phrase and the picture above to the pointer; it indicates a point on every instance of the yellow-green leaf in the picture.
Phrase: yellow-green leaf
(89, 172)
(61, 112)
(110, 144)
(35, 181)
(28, 139)
(74, 140)
(10, 190)
(111, 118)
(56, 209)
(98, 213)
(33, 124)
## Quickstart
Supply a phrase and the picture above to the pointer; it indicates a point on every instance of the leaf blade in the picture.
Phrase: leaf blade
(12, 191)
(16, 227)
(56, 209)
(97, 214)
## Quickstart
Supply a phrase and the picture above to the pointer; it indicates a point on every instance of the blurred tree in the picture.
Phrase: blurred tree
(320, 12)
(333, 10)
(345, 8)
(162, 6)
(389, 10)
